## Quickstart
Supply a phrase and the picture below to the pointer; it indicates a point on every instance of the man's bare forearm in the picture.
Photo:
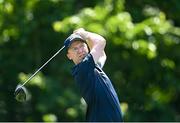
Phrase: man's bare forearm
(92, 39)
(96, 44)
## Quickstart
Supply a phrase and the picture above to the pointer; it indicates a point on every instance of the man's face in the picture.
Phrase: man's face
(77, 51)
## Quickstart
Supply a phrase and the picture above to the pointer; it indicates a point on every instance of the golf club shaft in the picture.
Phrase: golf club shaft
(43, 66)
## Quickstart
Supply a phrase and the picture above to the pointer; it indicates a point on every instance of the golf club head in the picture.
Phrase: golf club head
(21, 94)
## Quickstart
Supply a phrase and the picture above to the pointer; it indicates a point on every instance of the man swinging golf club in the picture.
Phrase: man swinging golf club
(86, 50)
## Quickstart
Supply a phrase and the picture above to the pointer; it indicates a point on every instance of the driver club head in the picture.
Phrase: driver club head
(21, 94)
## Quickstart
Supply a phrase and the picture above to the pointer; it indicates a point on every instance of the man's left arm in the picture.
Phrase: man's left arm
(102, 60)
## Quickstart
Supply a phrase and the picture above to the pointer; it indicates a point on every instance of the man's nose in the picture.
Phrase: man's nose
(80, 50)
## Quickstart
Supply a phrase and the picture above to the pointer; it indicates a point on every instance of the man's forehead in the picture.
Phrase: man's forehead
(74, 43)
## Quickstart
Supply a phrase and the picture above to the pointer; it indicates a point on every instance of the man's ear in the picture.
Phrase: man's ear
(68, 56)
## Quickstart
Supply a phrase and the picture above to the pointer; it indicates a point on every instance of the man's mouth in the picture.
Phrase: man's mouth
(81, 56)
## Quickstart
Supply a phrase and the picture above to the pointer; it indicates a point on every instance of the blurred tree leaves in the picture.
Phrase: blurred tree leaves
(143, 45)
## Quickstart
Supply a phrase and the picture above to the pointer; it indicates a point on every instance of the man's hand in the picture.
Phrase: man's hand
(82, 32)
(80, 29)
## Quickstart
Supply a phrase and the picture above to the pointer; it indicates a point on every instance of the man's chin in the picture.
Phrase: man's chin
(80, 60)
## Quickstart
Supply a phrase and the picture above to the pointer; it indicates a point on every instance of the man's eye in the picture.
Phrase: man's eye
(75, 49)
(82, 45)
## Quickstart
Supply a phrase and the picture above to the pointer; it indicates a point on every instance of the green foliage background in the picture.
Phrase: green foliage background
(143, 57)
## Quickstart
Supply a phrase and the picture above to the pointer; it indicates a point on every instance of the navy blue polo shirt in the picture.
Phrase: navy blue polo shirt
(97, 90)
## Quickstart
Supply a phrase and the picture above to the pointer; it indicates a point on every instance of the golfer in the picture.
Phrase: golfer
(86, 50)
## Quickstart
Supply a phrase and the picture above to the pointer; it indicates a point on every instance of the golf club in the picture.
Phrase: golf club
(21, 93)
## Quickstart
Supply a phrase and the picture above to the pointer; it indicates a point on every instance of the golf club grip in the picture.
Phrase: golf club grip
(43, 66)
